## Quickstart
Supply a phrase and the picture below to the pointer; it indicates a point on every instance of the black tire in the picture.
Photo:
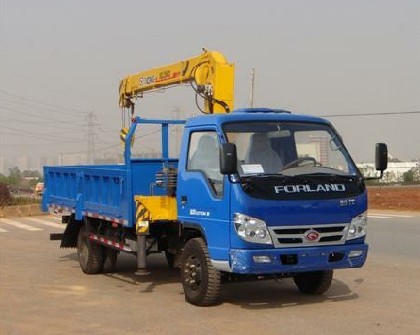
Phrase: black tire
(91, 255)
(110, 260)
(315, 283)
(200, 280)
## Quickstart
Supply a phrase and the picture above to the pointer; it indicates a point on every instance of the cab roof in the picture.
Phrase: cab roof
(252, 114)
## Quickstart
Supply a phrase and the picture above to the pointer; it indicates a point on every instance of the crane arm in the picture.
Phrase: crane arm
(212, 77)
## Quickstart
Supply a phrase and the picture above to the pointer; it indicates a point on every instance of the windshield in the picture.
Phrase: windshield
(288, 148)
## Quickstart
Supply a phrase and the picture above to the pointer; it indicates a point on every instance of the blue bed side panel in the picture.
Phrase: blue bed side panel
(99, 189)
(107, 190)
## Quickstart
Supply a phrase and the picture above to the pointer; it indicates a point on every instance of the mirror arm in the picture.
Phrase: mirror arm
(233, 178)
(375, 178)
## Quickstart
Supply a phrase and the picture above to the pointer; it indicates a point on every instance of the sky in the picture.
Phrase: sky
(62, 60)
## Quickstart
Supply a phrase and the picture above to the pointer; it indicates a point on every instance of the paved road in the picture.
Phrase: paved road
(395, 235)
(43, 291)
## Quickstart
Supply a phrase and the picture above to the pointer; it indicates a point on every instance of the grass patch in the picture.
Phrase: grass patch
(15, 201)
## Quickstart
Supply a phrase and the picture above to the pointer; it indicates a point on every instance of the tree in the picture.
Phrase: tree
(408, 177)
(4, 194)
(3, 179)
(15, 176)
(412, 175)
(31, 174)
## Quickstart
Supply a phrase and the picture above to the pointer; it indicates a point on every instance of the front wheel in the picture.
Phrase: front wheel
(200, 280)
(315, 283)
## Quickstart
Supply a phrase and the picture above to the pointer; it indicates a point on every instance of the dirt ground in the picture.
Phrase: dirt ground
(44, 292)
(394, 197)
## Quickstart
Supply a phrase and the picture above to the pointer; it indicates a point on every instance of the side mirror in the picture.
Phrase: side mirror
(381, 157)
(228, 158)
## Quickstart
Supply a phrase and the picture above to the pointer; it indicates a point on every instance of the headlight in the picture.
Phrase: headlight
(357, 227)
(251, 229)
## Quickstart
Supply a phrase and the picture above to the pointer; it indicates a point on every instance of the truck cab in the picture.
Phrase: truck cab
(292, 201)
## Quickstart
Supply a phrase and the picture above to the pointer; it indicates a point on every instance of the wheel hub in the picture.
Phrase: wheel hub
(192, 273)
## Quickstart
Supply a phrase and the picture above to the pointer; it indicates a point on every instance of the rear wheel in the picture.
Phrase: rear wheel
(110, 260)
(90, 254)
(200, 280)
(315, 283)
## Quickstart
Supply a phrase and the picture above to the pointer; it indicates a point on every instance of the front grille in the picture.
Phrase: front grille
(308, 235)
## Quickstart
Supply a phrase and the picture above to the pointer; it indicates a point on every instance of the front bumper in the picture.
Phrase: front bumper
(290, 260)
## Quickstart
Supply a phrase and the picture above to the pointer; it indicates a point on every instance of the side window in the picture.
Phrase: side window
(203, 154)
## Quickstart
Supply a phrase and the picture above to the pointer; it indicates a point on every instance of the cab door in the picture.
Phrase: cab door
(203, 192)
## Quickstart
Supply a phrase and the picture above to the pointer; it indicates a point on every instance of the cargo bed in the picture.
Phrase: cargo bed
(102, 191)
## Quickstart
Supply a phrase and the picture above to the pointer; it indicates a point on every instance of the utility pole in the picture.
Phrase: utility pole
(251, 91)
(91, 137)
(177, 115)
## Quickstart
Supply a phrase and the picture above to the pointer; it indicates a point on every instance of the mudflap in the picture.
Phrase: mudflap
(69, 239)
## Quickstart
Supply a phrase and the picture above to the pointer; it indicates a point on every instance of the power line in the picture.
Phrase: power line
(371, 114)
(37, 116)
(40, 109)
(96, 150)
(32, 123)
(72, 110)
(113, 145)
(48, 145)
(52, 141)
(79, 128)
(24, 133)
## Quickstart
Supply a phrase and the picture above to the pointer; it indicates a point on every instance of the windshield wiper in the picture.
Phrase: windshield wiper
(248, 178)
(332, 176)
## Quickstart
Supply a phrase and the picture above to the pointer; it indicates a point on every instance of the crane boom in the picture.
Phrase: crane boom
(211, 76)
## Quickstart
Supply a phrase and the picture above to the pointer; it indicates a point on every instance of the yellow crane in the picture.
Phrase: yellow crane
(210, 75)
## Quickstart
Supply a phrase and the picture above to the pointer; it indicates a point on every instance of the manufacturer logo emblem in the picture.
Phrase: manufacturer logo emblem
(312, 236)
(305, 188)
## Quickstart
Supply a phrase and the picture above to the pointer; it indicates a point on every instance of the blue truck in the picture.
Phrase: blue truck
(255, 193)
